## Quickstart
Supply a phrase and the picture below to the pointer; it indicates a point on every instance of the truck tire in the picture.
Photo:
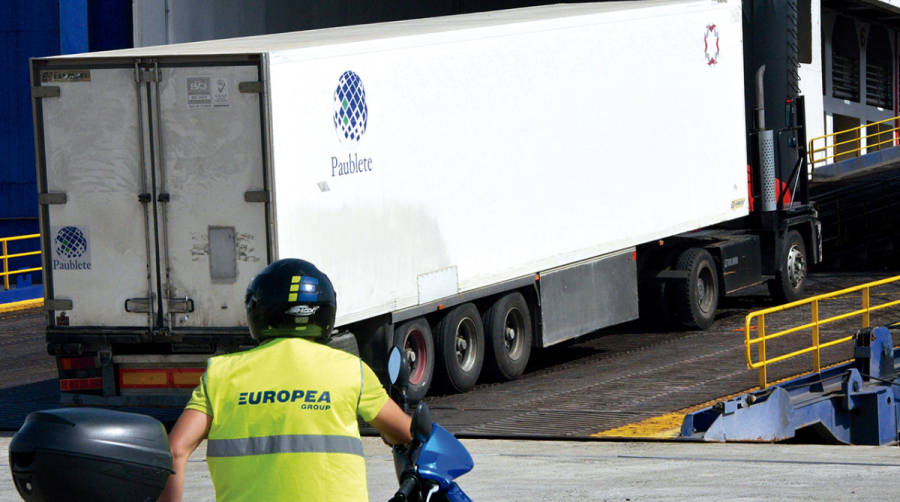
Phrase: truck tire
(693, 301)
(415, 338)
(460, 347)
(790, 276)
(507, 325)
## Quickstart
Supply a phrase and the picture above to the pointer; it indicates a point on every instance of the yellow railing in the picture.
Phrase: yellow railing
(816, 322)
(5, 257)
(878, 134)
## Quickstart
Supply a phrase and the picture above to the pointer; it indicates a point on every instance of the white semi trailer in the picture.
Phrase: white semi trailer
(475, 186)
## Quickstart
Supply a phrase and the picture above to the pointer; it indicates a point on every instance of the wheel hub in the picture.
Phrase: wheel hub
(796, 266)
(416, 356)
(465, 350)
(511, 338)
(705, 290)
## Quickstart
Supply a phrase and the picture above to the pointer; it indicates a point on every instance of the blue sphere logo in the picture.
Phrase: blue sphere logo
(350, 110)
(70, 242)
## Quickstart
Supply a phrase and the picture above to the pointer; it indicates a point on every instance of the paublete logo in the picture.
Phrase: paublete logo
(351, 113)
(71, 250)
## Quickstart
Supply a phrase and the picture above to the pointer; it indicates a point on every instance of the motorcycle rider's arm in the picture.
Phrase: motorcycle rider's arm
(393, 423)
(191, 428)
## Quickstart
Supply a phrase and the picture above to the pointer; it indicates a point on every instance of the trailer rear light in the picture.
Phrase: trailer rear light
(73, 384)
(159, 378)
(77, 363)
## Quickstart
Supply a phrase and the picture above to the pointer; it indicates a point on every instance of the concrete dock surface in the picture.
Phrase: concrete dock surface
(507, 470)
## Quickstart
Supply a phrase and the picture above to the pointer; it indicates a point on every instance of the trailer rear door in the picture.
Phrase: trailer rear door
(94, 227)
(211, 182)
(154, 191)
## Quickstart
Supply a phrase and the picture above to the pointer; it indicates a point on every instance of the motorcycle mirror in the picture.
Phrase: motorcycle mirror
(398, 367)
(421, 423)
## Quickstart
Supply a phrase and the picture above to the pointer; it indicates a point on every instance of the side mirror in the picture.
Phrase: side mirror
(398, 367)
(398, 373)
(421, 423)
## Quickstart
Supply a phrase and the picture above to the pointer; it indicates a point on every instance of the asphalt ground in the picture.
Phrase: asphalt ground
(625, 472)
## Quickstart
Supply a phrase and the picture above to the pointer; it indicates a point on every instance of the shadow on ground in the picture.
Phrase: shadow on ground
(17, 402)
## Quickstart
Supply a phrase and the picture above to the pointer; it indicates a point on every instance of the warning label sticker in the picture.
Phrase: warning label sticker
(220, 92)
(207, 92)
(198, 92)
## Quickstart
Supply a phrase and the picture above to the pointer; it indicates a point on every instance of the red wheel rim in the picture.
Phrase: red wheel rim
(416, 356)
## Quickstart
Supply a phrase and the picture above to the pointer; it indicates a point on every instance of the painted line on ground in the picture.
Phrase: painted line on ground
(22, 305)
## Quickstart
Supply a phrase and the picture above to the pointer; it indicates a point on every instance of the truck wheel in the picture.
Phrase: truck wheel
(790, 277)
(460, 345)
(414, 337)
(694, 300)
(508, 327)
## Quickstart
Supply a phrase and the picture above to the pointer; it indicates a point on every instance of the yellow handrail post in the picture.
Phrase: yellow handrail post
(865, 306)
(761, 333)
(817, 361)
(5, 268)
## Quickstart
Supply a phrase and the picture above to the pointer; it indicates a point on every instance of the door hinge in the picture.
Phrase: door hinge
(46, 91)
(146, 73)
(251, 87)
(47, 198)
(256, 196)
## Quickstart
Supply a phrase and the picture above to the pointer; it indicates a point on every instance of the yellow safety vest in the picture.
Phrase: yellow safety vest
(284, 422)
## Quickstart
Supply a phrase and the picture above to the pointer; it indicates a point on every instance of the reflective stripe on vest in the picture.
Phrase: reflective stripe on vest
(295, 443)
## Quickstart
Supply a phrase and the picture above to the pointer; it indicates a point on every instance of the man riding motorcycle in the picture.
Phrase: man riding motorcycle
(281, 419)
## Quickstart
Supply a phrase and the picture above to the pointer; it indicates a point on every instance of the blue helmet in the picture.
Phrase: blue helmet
(291, 298)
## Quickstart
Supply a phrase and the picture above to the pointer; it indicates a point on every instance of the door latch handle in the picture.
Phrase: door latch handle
(163, 197)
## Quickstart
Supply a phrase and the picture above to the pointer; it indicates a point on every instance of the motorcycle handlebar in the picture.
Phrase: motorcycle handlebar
(406, 489)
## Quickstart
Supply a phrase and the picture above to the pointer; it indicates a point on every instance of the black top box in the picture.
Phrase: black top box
(90, 454)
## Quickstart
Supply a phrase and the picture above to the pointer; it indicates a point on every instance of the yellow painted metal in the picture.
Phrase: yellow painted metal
(817, 361)
(816, 322)
(761, 329)
(865, 306)
(22, 305)
(5, 257)
(819, 154)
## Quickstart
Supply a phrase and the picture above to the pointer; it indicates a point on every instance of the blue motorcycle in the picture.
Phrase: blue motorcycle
(427, 466)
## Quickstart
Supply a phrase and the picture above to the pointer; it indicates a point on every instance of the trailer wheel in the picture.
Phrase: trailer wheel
(694, 300)
(460, 345)
(508, 327)
(415, 338)
(790, 277)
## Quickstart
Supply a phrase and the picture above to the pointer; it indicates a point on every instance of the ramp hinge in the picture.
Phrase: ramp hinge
(45, 199)
(256, 196)
(57, 304)
(251, 87)
(46, 91)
